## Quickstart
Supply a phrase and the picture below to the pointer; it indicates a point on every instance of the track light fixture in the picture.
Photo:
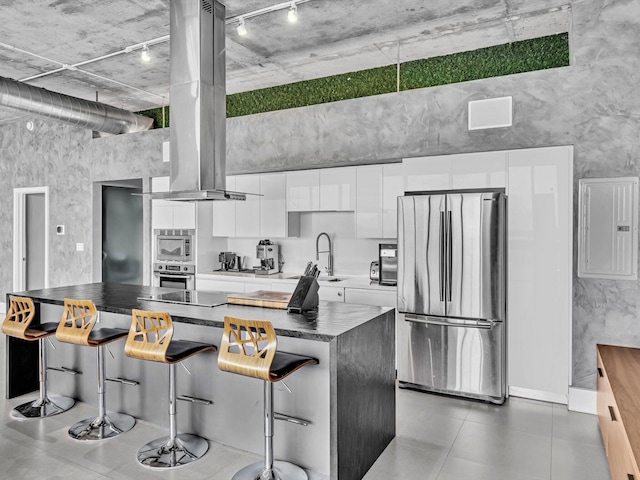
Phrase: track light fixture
(145, 55)
(242, 30)
(292, 16)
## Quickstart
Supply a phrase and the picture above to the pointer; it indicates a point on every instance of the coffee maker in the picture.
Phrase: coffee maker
(226, 260)
(268, 253)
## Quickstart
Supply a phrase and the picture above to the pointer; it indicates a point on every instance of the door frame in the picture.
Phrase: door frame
(19, 235)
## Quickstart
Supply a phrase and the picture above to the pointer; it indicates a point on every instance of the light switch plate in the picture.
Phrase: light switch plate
(79, 247)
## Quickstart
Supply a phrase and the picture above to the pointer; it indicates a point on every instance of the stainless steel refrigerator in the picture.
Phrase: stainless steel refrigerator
(452, 293)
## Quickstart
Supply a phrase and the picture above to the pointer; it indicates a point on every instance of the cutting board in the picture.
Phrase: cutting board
(261, 298)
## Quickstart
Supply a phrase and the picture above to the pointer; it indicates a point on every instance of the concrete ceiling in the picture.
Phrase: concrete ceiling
(330, 37)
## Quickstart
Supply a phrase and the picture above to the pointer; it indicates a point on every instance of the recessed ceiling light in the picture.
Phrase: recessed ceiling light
(242, 30)
(145, 55)
(292, 16)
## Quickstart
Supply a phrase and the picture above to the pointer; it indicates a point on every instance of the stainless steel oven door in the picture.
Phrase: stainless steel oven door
(169, 280)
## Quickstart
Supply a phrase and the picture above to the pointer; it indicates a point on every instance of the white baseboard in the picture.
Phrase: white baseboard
(537, 395)
(582, 400)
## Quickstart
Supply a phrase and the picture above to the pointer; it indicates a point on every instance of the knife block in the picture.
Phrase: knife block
(305, 296)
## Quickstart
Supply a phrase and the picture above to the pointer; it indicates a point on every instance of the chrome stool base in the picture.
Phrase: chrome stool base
(280, 471)
(50, 406)
(163, 453)
(98, 428)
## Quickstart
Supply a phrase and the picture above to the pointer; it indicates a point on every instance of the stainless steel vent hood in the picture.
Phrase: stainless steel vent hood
(198, 103)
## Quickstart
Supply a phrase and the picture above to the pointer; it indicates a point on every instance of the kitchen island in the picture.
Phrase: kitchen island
(349, 398)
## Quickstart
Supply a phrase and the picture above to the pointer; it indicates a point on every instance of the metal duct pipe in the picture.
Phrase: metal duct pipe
(71, 110)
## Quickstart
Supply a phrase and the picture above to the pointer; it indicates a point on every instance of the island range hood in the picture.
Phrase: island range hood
(198, 103)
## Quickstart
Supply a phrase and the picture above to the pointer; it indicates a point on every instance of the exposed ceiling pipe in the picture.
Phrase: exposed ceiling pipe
(70, 110)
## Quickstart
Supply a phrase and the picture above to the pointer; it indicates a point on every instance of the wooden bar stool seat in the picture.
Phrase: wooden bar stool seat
(77, 326)
(151, 338)
(18, 323)
(249, 347)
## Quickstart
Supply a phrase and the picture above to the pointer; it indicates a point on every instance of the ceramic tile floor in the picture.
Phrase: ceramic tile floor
(438, 438)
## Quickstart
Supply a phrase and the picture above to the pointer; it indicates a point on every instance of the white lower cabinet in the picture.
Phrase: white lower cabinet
(208, 284)
(365, 296)
(330, 294)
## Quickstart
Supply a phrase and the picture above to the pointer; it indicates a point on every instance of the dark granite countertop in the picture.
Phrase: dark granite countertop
(330, 321)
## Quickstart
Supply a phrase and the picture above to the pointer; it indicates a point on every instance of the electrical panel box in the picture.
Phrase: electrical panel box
(608, 228)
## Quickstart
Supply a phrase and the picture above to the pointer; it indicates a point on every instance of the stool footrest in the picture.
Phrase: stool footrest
(189, 398)
(70, 371)
(290, 419)
(133, 383)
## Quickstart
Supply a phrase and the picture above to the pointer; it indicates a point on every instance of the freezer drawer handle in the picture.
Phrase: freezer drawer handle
(612, 414)
(486, 325)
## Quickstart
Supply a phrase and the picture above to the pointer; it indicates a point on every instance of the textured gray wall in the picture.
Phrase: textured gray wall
(592, 105)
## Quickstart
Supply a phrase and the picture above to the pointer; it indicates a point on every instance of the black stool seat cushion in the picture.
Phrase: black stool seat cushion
(285, 364)
(180, 349)
(106, 335)
(41, 330)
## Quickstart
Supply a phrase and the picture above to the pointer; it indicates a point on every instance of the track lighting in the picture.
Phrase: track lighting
(242, 30)
(292, 16)
(145, 55)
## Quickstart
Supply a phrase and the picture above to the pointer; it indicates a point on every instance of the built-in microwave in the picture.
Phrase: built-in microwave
(174, 245)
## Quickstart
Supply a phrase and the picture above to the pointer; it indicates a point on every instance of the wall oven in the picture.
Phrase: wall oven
(174, 275)
(174, 245)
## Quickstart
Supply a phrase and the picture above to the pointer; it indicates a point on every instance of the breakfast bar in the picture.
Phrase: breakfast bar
(348, 399)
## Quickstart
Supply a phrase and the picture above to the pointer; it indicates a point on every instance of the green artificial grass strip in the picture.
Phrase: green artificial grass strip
(156, 114)
(363, 83)
(508, 59)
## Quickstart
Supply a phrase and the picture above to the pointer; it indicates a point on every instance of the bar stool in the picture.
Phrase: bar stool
(17, 324)
(249, 347)
(77, 326)
(150, 338)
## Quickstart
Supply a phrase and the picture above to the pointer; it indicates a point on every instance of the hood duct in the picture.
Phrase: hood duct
(70, 110)
(198, 102)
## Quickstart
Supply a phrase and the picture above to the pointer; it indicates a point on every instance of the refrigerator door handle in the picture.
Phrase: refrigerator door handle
(464, 323)
(443, 256)
(449, 256)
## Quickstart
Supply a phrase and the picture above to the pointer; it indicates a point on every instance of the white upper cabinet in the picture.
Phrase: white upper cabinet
(273, 208)
(455, 172)
(303, 191)
(392, 188)
(338, 189)
(369, 202)
(168, 215)
(378, 189)
(248, 211)
(224, 214)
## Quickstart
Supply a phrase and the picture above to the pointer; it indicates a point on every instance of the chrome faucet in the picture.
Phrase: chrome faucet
(329, 267)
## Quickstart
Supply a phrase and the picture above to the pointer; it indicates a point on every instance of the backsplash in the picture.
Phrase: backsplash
(351, 255)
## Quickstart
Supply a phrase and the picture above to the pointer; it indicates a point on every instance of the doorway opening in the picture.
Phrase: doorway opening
(30, 238)
(122, 232)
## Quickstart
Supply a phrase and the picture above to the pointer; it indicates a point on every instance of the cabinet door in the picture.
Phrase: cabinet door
(303, 191)
(330, 294)
(161, 214)
(184, 215)
(381, 298)
(160, 184)
(478, 170)
(248, 211)
(427, 173)
(392, 188)
(369, 202)
(539, 236)
(338, 189)
(211, 285)
(224, 214)
(273, 206)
